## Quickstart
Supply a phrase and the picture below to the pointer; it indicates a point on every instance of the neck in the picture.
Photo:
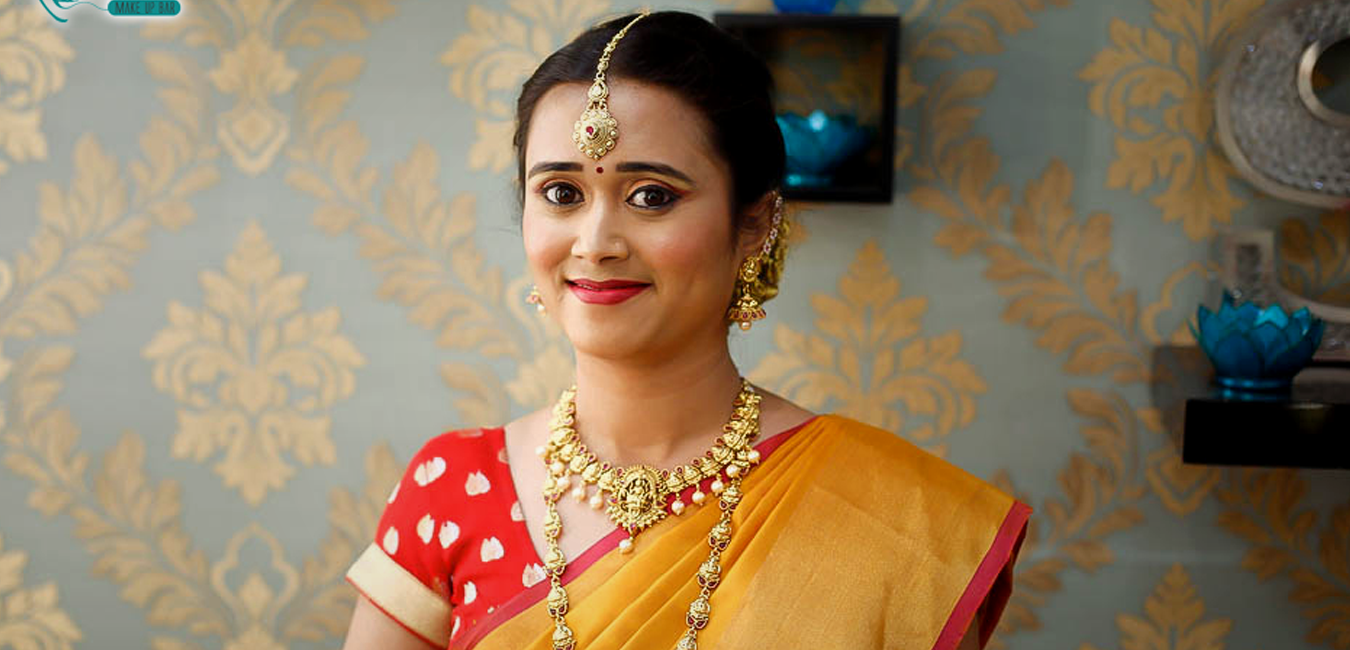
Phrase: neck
(658, 413)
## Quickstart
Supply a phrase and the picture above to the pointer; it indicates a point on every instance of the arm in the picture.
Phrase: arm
(971, 641)
(371, 630)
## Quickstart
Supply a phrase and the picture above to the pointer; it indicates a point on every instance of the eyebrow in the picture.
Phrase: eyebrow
(624, 167)
(653, 168)
(554, 167)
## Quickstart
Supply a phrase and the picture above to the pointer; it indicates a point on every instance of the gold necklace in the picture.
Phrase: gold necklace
(640, 495)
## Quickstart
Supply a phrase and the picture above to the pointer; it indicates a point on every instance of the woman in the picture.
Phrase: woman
(649, 163)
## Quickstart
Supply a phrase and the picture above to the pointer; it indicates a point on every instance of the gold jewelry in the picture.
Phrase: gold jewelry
(637, 495)
(636, 490)
(596, 131)
(748, 309)
(536, 299)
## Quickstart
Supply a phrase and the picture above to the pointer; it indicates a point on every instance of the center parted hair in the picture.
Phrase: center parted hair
(710, 69)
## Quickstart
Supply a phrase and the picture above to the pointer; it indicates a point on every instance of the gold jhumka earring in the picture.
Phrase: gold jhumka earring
(536, 299)
(747, 309)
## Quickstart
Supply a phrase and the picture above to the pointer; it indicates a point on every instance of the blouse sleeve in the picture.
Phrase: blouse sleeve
(402, 572)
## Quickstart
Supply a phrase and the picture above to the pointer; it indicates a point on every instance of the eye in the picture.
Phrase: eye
(561, 194)
(652, 197)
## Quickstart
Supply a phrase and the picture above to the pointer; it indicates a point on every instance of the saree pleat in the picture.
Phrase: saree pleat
(847, 537)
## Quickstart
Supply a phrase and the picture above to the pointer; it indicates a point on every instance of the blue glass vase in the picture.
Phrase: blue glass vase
(1254, 348)
(805, 6)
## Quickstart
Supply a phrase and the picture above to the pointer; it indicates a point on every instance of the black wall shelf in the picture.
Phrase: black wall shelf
(1284, 433)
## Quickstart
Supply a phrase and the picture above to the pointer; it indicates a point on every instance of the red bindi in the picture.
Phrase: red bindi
(599, 170)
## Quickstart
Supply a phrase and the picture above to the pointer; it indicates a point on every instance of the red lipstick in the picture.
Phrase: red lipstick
(607, 292)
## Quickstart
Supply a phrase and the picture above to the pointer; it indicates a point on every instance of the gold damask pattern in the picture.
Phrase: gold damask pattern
(1314, 259)
(31, 616)
(288, 70)
(422, 248)
(497, 52)
(33, 56)
(1289, 538)
(252, 39)
(133, 526)
(1174, 619)
(254, 374)
(1156, 85)
(869, 361)
(1100, 496)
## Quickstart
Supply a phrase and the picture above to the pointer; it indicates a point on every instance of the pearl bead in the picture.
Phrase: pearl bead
(540, 450)
(717, 486)
(579, 493)
(597, 501)
(626, 545)
(677, 507)
(558, 467)
(753, 455)
(698, 496)
(733, 470)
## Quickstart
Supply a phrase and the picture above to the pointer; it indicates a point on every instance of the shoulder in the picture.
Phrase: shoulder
(461, 440)
(883, 462)
(455, 446)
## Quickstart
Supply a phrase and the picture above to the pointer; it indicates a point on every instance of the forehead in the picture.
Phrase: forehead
(655, 125)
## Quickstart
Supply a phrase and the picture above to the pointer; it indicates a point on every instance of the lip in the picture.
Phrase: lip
(606, 284)
(609, 292)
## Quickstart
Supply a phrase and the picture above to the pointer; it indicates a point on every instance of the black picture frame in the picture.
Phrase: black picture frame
(865, 50)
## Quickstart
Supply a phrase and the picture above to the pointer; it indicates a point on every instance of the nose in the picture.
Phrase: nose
(600, 235)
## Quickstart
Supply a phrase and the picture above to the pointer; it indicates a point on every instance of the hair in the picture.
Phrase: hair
(712, 71)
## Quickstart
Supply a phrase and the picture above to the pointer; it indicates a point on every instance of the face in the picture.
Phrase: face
(654, 213)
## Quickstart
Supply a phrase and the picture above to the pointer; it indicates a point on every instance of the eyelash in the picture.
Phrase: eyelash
(671, 196)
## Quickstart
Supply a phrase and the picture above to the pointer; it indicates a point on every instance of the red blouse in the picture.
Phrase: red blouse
(454, 523)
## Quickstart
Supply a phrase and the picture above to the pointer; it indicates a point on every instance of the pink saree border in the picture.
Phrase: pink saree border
(526, 599)
(1006, 543)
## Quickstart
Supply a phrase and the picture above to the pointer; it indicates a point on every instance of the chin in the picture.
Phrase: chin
(617, 336)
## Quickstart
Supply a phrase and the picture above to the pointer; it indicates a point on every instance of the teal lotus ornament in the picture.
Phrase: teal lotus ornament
(816, 144)
(1254, 348)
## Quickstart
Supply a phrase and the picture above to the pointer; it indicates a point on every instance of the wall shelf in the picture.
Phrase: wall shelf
(1287, 433)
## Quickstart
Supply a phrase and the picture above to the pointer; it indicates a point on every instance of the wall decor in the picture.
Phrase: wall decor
(835, 79)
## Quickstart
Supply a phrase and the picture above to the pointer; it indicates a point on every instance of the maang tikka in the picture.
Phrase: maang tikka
(748, 309)
(596, 131)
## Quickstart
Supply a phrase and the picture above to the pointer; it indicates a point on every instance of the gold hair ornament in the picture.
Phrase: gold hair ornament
(596, 131)
(748, 309)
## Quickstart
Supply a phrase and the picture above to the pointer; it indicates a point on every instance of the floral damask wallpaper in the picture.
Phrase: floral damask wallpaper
(251, 257)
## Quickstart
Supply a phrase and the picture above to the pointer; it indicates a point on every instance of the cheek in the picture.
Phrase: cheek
(690, 258)
(545, 245)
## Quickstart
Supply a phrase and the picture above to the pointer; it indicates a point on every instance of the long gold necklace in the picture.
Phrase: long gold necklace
(638, 497)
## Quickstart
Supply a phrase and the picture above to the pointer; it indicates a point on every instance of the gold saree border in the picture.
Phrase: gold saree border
(401, 596)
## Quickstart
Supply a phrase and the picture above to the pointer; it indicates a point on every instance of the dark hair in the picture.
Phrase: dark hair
(684, 53)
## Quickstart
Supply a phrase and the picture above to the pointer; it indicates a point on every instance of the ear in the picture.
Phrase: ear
(756, 222)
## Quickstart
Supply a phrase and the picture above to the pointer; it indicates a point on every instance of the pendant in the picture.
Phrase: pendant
(595, 132)
(638, 500)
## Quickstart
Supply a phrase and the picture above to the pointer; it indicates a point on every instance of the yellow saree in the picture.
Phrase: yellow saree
(847, 537)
